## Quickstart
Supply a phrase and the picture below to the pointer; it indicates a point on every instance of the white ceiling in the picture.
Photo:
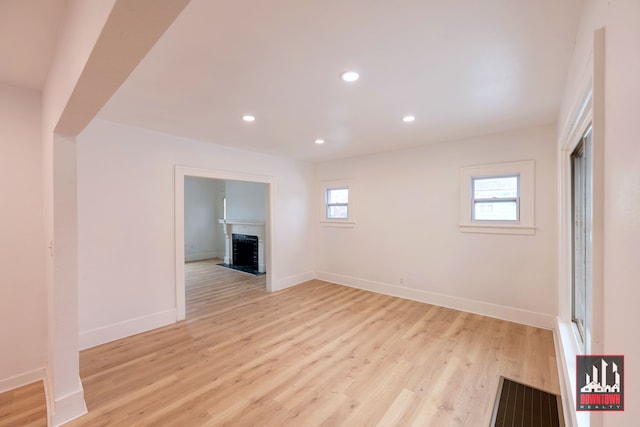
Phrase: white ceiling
(27, 38)
(463, 67)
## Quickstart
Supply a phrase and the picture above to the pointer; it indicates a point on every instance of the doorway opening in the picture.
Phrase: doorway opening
(233, 214)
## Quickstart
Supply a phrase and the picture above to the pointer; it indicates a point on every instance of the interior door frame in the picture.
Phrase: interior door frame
(180, 173)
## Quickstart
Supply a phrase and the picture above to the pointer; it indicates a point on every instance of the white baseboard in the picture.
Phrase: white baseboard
(20, 380)
(199, 256)
(287, 282)
(105, 334)
(59, 411)
(525, 317)
(67, 408)
(48, 395)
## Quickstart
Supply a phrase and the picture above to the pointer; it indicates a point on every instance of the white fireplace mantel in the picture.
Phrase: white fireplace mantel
(241, 222)
(248, 227)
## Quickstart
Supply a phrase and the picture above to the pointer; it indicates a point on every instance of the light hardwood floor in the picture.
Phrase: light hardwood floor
(316, 354)
(24, 407)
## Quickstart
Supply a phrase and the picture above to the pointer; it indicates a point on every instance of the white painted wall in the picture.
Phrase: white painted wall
(203, 234)
(23, 302)
(407, 241)
(126, 223)
(246, 200)
(620, 193)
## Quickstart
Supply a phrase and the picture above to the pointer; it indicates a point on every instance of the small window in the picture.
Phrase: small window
(496, 198)
(338, 203)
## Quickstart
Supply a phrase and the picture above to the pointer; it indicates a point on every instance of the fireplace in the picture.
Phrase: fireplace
(244, 245)
(245, 252)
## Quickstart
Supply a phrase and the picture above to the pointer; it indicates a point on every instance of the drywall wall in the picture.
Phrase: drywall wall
(23, 297)
(203, 234)
(126, 223)
(245, 200)
(407, 241)
(616, 302)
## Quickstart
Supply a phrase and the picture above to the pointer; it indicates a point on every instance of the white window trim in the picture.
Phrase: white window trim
(525, 225)
(337, 222)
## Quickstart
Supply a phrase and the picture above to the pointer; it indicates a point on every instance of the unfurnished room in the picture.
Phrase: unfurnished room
(336, 213)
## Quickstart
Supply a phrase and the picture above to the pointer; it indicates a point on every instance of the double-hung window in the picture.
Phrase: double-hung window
(337, 203)
(496, 198)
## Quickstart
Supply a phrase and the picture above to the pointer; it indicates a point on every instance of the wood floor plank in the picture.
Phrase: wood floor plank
(317, 354)
(24, 406)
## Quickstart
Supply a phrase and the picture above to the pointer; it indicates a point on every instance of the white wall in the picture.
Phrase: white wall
(407, 241)
(23, 303)
(203, 234)
(245, 200)
(126, 223)
(620, 193)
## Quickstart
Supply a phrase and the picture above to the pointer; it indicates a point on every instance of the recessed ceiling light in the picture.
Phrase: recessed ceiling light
(319, 141)
(349, 76)
(248, 118)
(409, 119)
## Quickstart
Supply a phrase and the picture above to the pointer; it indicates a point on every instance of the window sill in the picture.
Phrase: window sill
(338, 224)
(497, 229)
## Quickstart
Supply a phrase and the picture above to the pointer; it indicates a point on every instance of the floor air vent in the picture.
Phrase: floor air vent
(518, 405)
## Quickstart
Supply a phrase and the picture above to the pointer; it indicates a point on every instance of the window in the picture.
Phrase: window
(338, 203)
(497, 198)
(581, 224)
